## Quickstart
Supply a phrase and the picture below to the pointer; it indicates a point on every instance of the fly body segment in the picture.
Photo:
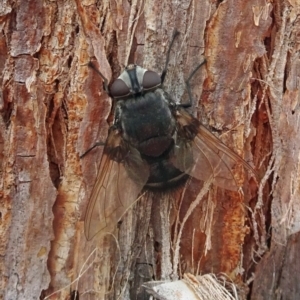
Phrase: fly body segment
(154, 143)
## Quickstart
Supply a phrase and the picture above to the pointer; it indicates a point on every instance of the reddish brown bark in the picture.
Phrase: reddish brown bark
(53, 108)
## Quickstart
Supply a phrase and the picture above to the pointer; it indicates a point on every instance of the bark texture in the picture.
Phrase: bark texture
(53, 108)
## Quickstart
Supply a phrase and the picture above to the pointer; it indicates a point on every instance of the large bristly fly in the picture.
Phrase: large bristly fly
(154, 143)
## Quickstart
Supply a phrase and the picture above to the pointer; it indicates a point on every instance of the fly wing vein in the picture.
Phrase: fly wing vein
(114, 191)
(206, 154)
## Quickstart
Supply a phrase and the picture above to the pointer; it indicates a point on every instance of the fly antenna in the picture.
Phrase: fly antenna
(105, 81)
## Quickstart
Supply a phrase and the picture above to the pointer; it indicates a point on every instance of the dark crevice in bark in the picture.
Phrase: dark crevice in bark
(112, 55)
(56, 143)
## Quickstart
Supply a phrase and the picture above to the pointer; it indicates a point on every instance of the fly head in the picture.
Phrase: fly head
(134, 80)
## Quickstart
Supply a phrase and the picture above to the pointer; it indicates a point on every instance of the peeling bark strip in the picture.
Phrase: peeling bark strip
(191, 288)
(53, 108)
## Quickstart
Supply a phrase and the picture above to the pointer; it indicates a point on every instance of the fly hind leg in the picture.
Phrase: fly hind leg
(94, 146)
(188, 86)
(164, 72)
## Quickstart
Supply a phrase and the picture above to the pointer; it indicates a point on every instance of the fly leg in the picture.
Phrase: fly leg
(105, 81)
(164, 72)
(87, 151)
(188, 86)
(106, 88)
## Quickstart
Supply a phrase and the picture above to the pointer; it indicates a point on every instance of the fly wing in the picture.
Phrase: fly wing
(122, 175)
(201, 154)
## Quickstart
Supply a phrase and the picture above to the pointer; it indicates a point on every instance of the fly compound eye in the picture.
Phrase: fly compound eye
(119, 89)
(151, 80)
(134, 80)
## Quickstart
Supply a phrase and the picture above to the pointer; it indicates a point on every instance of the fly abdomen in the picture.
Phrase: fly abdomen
(155, 146)
(163, 175)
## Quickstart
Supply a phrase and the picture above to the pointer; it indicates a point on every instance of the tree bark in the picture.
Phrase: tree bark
(54, 108)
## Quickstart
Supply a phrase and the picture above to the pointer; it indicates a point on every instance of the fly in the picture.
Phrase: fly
(154, 143)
